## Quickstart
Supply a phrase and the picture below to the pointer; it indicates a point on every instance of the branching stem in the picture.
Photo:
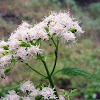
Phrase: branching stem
(49, 75)
(56, 57)
(35, 70)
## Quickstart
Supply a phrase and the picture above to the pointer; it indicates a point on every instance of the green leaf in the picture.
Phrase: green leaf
(50, 44)
(24, 44)
(4, 53)
(64, 93)
(50, 56)
(39, 97)
(39, 57)
(38, 41)
(7, 69)
(46, 28)
(73, 30)
(11, 51)
(73, 92)
(13, 60)
(5, 47)
(75, 72)
(49, 37)
(53, 34)
(32, 43)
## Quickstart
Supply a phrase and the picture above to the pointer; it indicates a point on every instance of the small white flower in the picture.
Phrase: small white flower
(1, 51)
(33, 50)
(48, 93)
(61, 97)
(22, 32)
(5, 60)
(11, 96)
(27, 86)
(67, 37)
(13, 44)
(77, 27)
(21, 53)
(2, 43)
(2, 74)
(58, 29)
(35, 92)
(38, 31)
(27, 98)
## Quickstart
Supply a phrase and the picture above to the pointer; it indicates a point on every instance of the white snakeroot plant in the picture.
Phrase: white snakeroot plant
(25, 42)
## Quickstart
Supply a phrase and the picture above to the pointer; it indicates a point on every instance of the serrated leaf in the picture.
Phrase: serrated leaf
(75, 72)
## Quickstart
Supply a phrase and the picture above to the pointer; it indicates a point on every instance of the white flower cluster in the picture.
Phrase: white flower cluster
(25, 40)
(11, 96)
(19, 45)
(46, 93)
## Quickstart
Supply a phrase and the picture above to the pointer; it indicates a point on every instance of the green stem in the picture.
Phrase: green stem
(53, 42)
(49, 76)
(35, 70)
(56, 56)
(56, 72)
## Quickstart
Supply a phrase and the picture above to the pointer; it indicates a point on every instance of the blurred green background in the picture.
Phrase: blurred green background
(85, 54)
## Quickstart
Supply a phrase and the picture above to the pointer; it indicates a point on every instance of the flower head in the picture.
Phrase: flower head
(2, 43)
(13, 44)
(2, 74)
(48, 93)
(27, 98)
(27, 86)
(21, 54)
(33, 50)
(5, 60)
(11, 96)
(61, 97)
(61, 24)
